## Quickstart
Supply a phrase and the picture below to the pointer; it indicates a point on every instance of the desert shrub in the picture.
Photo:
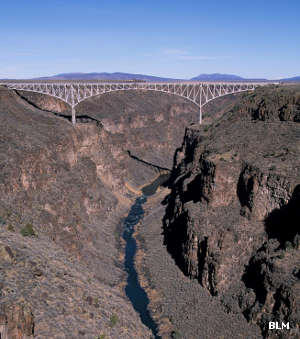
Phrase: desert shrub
(96, 302)
(281, 255)
(28, 231)
(288, 245)
(113, 320)
(176, 335)
(10, 228)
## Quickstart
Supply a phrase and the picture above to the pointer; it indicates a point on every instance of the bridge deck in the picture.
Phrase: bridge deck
(73, 92)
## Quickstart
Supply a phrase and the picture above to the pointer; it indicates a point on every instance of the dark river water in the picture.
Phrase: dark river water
(134, 291)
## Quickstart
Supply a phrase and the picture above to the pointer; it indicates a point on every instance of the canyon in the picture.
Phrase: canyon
(218, 247)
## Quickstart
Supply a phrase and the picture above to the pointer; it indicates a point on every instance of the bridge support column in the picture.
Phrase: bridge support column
(200, 115)
(73, 116)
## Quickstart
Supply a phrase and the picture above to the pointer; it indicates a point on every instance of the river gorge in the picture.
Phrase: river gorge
(93, 246)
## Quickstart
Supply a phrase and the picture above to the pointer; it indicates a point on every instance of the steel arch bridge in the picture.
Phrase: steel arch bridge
(74, 92)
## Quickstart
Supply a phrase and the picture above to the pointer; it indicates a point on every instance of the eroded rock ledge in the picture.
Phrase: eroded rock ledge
(232, 220)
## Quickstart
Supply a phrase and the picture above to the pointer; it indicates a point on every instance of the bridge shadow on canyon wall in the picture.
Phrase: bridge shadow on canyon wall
(81, 118)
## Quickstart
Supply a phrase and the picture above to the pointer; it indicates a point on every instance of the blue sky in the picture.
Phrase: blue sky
(165, 38)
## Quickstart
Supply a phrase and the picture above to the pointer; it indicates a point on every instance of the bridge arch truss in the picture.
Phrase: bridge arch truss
(200, 93)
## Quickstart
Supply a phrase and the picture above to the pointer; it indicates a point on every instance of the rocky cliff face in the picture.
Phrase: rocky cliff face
(233, 213)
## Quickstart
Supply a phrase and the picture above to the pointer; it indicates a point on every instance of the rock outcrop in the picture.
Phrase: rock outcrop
(232, 219)
(17, 322)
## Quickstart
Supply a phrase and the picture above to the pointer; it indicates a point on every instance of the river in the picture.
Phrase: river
(133, 289)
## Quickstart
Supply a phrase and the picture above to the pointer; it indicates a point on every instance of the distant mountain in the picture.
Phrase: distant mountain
(222, 77)
(144, 77)
(104, 76)
(217, 77)
(294, 79)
